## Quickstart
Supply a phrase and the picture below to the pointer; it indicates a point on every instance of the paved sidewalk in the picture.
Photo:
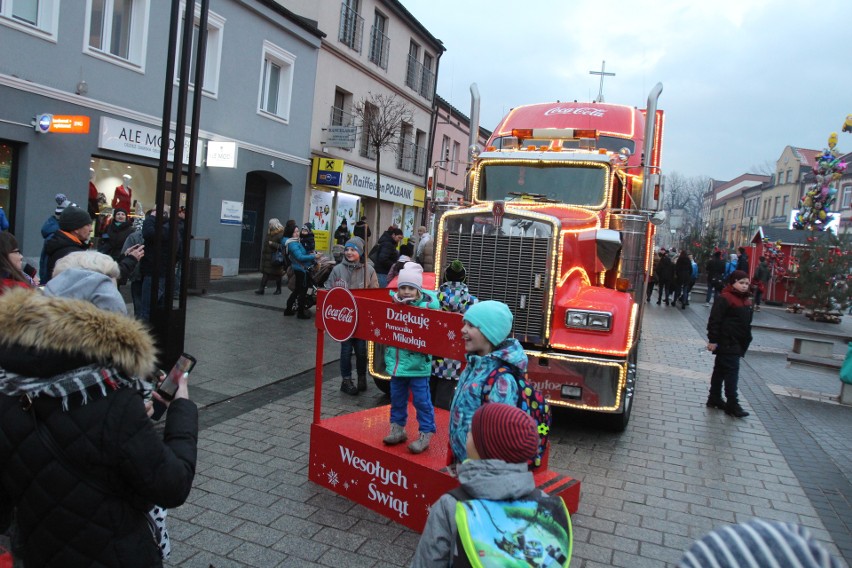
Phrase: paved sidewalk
(678, 471)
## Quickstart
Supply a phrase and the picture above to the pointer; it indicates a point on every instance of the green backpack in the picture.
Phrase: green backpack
(532, 531)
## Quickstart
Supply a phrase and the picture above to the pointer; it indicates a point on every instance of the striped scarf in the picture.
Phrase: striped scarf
(91, 381)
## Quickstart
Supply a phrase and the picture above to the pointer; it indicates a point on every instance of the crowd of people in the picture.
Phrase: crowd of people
(77, 379)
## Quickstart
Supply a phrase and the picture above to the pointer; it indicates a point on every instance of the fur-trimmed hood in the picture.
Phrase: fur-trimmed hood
(76, 329)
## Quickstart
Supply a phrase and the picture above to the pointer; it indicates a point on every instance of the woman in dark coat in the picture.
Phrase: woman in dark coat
(269, 270)
(71, 370)
(728, 337)
(665, 277)
(112, 239)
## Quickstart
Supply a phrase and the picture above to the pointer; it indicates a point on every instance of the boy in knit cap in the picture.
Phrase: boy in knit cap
(728, 338)
(75, 227)
(454, 296)
(489, 348)
(352, 274)
(410, 370)
(501, 440)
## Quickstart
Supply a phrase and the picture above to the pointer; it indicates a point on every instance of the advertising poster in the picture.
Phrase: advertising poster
(347, 210)
(396, 216)
(408, 223)
(320, 216)
(232, 213)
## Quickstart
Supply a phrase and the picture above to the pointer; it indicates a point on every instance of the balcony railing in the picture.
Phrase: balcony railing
(341, 117)
(413, 73)
(420, 79)
(351, 28)
(411, 157)
(379, 48)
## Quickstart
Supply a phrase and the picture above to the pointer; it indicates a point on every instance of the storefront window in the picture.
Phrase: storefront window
(7, 161)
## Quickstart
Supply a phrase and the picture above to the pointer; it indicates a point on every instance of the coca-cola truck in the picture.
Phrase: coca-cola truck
(563, 203)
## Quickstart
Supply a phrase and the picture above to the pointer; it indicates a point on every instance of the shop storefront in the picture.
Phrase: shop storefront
(342, 191)
(8, 154)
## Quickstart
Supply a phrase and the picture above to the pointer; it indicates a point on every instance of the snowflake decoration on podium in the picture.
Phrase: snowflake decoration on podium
(333, 478)
(377, 332)
(451, 335)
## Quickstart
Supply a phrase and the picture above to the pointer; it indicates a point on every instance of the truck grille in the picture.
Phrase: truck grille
(510, 264)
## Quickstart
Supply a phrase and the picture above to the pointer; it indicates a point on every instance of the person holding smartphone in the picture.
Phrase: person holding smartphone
(80, 461)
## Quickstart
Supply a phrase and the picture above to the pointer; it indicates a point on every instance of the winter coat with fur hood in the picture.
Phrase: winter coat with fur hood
(60, 519)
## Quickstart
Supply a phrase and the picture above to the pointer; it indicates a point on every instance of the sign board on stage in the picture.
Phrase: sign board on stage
(379, 319)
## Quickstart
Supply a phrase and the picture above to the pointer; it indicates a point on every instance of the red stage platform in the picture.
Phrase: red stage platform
(347, 454)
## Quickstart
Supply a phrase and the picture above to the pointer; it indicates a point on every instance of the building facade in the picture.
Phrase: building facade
(370, 48)
(782, 196)
(451, 153)
(732, 209)
(106, 62)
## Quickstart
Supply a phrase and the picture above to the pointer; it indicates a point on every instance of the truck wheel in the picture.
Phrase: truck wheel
(618, 422)
(382, 385)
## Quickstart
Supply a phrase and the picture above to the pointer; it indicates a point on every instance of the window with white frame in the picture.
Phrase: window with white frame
(276, 82)
(785, 204)
(845, 196)
(212, 55)
(379, 41)
(36, 17)
(454, 164)
(116, 30)
(445, 151)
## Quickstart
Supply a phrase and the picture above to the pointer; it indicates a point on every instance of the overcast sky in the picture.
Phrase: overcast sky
(741, 79)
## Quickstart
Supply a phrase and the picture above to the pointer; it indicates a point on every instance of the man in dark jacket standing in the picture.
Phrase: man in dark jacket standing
(742, 260)
(728, 338)
(362, 230)
(75, 227)
(715, 269)
(387, 254)
(146, 266)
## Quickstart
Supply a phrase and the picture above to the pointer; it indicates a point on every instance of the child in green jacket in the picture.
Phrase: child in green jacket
(410, 370)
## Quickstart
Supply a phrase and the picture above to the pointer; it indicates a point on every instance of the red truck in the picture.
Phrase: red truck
(559, 225)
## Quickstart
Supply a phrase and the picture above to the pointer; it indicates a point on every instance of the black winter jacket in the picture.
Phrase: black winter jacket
(665, 271)
(729, 325)
(61, 520)
(57, 246)
(388, 253)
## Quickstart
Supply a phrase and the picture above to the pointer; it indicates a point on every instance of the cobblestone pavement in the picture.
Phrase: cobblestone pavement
(678, 471)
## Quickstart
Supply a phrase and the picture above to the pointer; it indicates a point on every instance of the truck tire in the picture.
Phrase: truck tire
(383, 385)
(618, 422)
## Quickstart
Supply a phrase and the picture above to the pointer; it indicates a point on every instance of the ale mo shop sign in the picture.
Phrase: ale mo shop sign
(61, 124)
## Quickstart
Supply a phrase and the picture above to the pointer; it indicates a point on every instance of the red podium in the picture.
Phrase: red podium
(347, 454)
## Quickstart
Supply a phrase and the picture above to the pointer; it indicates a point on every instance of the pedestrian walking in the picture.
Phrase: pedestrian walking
(665, 277)
(350, 273)
(731, 265)
(75, 227)
(269, 269)
(425, 253)
(406, 254)
(683, 276)
(761, 281)
(300, 261)
(341, 234)
(386, 254)
(742, 260)
(728, 338)
(12, 273)
(362, 230)
(693, 278)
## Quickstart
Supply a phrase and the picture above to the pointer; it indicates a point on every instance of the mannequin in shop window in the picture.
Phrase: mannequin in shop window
(123, 194)
(93, 206)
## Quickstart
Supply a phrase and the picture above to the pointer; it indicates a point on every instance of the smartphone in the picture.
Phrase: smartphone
(169, 386)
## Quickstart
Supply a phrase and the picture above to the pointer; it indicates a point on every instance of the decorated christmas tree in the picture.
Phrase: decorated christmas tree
(824, 282)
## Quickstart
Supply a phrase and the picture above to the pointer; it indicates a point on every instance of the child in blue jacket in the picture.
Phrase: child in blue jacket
(410, 370)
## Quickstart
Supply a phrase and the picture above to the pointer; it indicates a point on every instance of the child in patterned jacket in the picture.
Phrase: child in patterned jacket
(454, 296)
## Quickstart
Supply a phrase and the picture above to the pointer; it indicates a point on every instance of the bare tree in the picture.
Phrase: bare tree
(382, 117)
(765, 168)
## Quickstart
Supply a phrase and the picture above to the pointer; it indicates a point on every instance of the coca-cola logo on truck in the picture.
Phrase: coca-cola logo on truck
(584, 111)
(340, 314)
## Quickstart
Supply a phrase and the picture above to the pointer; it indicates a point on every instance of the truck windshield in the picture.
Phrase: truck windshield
(578, 185)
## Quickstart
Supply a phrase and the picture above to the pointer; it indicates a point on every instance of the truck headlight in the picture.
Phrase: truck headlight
(583, 319)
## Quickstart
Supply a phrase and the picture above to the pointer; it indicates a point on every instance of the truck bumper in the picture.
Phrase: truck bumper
(581, 382)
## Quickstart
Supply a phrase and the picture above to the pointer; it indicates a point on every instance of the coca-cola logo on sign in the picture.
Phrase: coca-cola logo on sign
(583, 111)
(340, 314)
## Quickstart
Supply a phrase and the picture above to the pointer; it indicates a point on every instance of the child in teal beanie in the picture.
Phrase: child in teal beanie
(485, 332)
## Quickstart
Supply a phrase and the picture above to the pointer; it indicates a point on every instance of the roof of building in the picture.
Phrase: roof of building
(459, 115)
(735, 187)
(786, 236)
(806, 157)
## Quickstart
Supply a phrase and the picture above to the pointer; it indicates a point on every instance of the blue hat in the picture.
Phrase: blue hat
(357, 243)
(493, 318)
